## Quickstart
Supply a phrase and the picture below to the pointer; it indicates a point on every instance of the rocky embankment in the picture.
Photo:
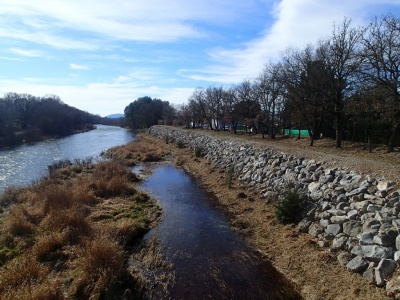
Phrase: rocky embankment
(353, 215)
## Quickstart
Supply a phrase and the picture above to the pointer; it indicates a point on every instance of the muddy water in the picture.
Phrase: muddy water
(210, 260)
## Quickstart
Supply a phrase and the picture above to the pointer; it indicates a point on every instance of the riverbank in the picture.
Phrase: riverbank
(71, 235)
(314, 269)
(32, 136)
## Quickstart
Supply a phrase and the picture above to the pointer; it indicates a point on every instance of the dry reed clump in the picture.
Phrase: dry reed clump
(71, 222)
(141, 150)
(54, 198)
(23, 271)
(19, 222)
(112, 178)
(103, 270)
(48, 247)
(12, 195)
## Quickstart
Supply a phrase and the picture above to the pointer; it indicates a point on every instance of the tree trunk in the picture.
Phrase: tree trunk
(369, 143)
(311, 135)
(338, 123)
(393, 136)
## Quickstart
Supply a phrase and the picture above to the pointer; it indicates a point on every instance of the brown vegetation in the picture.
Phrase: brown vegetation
(67, 236)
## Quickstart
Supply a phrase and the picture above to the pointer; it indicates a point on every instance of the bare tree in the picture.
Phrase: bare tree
(381, 67)
(339, 54)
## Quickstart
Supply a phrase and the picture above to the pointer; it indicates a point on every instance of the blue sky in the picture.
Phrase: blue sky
(100, 55)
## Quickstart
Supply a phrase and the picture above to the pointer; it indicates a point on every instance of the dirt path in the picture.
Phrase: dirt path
(314, 270)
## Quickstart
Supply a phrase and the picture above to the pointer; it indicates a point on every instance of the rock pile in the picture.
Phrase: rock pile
(355, 216)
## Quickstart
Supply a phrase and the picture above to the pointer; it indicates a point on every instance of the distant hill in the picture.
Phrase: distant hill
(115, 116)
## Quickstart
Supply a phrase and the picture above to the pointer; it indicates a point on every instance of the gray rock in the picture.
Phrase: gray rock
(337, 212)
(341, 198)
(314, 186)
(357, 265)
(396, 224)
(344, 258)
(315, 229)
(352, 228)
(384, 269)
(384, 185)
(324, 222)
(367, 238)
(304, 225)
(352, 214)
(396, 256)
(339, 219)
(323, 244)
(371, 224)
(351, 243)
(333, 229)
(350, 179)
(397, 241)
(360, 190)
(383, 239)
(373, 208)
(372, 252)
(360, 206)
(339, 242)
(369, 274)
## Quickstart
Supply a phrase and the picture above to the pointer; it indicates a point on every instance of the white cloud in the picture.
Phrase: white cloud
(78, 67)
(139, 20)
(28, 53)
(297, 23)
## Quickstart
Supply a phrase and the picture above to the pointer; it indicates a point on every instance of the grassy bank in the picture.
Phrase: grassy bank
(71, 235)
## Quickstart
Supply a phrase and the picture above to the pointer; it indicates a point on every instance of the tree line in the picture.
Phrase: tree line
(145, 112)
(25, 118)
(346, 86)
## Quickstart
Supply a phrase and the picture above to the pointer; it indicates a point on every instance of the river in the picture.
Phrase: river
(21, 165)
(210, 261)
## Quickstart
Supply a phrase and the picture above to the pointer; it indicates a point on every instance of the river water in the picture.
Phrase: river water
(22, 165)
(210, 260)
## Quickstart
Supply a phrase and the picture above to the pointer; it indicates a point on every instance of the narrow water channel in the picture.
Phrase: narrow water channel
(210, 260)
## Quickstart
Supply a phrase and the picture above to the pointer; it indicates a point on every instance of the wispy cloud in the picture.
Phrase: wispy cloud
(296, 24)
(78, 67)
(141, 20)
(28, 53)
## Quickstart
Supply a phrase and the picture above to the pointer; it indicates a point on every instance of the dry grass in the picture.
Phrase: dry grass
(140, 151)
(52, 246)
(102, 268)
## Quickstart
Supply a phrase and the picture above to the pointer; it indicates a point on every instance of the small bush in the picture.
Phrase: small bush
(290, 206)
(199, 151)
(180, 144)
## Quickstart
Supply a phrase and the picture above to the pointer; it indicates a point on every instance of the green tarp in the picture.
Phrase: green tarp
(296, 132)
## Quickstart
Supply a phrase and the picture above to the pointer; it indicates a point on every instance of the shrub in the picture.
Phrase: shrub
(180, 144)
(290, 206)
(199, 151)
